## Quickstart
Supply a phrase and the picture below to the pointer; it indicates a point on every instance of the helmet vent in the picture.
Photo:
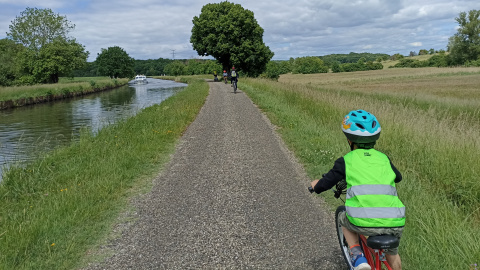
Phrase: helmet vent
(374, 124)
(353, 114)
(359, 125)
(364, 117)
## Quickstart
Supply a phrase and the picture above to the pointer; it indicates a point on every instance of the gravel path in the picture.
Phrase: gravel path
(232, 197)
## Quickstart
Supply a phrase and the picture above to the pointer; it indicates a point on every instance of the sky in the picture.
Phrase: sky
(152, 29)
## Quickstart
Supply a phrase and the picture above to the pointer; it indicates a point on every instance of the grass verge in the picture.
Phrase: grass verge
(438, 157)
(25, 95)
(54, 210)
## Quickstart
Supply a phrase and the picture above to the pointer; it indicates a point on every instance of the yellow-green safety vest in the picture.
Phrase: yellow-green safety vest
(372, 199)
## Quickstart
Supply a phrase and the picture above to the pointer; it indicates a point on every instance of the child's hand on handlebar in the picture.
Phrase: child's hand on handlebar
(314, 182)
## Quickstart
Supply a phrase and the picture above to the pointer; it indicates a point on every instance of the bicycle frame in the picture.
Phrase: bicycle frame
(375, 257)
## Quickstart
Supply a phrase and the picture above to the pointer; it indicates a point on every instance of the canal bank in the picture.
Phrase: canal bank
(12, 97)
(55, 209)
(29, 131)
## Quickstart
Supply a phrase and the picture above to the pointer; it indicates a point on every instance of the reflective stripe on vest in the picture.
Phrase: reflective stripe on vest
(371, 190)
(372, 199)
(376, 212)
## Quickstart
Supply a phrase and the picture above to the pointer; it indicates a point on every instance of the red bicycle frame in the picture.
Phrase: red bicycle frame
(375, 257)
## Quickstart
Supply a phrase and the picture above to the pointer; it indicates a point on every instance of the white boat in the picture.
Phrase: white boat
(141, 79)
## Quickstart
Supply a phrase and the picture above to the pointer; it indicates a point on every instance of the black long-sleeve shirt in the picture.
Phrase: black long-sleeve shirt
(337, 173)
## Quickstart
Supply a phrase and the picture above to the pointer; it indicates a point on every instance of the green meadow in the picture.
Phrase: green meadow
(57, 210)
(430, 120)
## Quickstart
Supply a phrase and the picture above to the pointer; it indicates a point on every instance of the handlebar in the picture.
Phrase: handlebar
(340, 188)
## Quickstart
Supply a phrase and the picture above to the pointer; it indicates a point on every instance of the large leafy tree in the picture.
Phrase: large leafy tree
(465, 44)
(36, 27)
(231, 34)
(49, 51)
(115, 63)
(59, 58)
(9, 56)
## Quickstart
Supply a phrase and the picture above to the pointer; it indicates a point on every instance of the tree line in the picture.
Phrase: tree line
(38, 49)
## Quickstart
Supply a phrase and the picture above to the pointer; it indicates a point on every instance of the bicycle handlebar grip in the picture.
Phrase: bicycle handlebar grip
(310, 189)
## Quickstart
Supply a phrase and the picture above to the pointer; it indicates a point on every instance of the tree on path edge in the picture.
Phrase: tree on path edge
(232, 35)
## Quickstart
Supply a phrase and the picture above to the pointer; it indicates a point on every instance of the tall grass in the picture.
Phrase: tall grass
(434, 143)
(54, 210)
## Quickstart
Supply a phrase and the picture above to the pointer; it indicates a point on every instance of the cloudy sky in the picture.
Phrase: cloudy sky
(152, 29)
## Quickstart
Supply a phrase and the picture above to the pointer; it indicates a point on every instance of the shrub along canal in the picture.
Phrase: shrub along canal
(26, 132)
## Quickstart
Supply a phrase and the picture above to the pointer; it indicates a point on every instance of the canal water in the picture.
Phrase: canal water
(27, 132)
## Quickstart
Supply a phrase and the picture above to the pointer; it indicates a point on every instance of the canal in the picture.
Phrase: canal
(27, 132)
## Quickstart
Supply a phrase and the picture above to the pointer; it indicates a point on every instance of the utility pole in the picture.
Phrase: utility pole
(173, 54)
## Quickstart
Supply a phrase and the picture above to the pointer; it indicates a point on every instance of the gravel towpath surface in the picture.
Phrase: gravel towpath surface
(232, 197)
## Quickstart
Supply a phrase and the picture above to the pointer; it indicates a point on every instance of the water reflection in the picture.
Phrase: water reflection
(28, 131)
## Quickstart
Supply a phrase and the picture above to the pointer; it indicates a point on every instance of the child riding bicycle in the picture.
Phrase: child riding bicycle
(225, 75)
(233, 75)
(373, 207)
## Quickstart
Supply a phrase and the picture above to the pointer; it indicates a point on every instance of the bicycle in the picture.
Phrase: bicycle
(234, 84)
(373, 247)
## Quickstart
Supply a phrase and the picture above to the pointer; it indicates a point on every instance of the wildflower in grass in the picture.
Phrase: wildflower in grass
(53, 244)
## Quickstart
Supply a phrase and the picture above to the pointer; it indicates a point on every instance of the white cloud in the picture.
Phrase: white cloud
(150, 29)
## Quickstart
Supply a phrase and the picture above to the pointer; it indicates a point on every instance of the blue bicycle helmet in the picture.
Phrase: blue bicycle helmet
(361, 127)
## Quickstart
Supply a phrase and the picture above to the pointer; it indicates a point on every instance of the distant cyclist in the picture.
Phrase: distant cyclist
(233, 76)
(372, 204)
(225, 75)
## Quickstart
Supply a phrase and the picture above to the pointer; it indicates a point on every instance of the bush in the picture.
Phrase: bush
(475, 63)
(273, 70)
(351, 67)
(374, 66)
(336, 67)
(309, 65)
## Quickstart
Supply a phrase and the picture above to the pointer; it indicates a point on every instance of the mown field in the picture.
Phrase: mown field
(430, 121)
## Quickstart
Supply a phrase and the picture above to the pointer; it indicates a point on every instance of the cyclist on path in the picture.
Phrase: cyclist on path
(233, 76)
(225, 75)
(373, 207)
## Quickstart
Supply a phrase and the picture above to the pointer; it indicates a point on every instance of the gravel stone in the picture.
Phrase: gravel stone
(232, 197)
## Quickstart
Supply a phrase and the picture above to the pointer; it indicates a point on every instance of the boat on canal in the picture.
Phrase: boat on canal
(140, 79)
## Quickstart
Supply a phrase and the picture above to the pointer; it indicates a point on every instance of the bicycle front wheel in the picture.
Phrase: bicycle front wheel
(341, 239)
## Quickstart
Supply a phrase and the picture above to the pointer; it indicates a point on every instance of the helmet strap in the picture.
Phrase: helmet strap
(352, 145)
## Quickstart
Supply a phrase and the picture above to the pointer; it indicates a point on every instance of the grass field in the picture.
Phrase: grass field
(56, 210)
(430, 121)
